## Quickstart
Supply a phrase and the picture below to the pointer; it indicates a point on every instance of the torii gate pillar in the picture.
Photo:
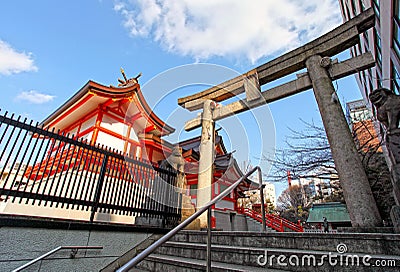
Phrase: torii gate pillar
(207, 156)
(356, 189)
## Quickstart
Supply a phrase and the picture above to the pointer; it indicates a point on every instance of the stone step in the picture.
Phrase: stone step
(222, 253)
(374, 243)
(165, 263)
(247, 251)
(254, 258)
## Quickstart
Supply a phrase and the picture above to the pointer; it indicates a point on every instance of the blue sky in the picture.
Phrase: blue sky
(50, 49)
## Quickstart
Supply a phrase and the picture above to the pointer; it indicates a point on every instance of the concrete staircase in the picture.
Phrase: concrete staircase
(246, 251)
(255, 226)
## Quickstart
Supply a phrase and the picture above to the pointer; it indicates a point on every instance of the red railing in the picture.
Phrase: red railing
(273, 221)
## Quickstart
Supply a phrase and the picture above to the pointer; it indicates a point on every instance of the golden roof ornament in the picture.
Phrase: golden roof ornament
(128, 82)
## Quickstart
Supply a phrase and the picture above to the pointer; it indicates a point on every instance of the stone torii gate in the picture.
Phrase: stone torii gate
(321, 70)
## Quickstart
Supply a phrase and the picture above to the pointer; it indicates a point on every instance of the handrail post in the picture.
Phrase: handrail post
(52, 252)
(209, 240)
(300, 226)
(264, 227)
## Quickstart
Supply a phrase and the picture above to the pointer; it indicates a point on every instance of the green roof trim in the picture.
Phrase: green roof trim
(333, 211)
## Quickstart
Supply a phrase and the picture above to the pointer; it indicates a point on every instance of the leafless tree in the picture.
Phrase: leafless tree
(308, 155)
(293, 204)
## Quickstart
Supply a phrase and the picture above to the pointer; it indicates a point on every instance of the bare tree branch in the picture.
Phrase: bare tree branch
(307, 151)
(307, 155)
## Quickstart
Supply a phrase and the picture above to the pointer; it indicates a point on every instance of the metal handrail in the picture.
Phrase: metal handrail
(191, 218)
(73, 248)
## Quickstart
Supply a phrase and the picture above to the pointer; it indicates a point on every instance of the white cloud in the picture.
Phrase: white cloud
(35, 97)
(234, 28)
(13, 62)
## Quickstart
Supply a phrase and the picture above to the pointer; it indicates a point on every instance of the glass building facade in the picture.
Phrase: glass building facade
(383, 42)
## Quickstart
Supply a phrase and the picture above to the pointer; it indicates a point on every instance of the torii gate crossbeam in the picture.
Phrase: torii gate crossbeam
(330, 44)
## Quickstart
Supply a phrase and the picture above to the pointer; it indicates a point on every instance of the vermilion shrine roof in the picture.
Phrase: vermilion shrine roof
(92, 95)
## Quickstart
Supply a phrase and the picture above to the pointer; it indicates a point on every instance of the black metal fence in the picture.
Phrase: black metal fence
(46, 168)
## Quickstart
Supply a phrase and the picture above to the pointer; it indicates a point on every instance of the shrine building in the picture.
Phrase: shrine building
(120, 118)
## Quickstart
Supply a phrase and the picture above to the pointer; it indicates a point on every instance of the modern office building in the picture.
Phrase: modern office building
(383, 41)
(362, 127)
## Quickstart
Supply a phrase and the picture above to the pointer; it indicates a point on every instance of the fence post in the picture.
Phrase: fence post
(170, 179)
(300, 226)
(262, 186)
(99, 187)
(178, 197)
(165, 180)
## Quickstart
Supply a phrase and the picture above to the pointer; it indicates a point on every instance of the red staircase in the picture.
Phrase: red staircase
(272, 220)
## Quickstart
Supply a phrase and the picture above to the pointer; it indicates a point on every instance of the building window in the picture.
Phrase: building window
(379, 58)
(363, 76)
(222, 188)
(348, 12)
(378, 50)
(193, 189)
(370, 82)
(378, 77)
(366, 41)
(365, 82)
(366, 35)
(353, 7)
(395, 75)
(380, 83)
(357, 49)
(363, 7)
(371, 87)
(376, 6)
(396, 28)
(378, 39)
